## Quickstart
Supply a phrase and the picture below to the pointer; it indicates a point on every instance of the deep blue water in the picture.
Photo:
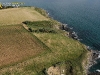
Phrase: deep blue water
(82, 15)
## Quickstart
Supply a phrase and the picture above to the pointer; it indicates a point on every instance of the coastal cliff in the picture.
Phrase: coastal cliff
(52, 47)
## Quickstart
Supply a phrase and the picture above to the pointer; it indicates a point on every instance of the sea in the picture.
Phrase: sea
(82, 15)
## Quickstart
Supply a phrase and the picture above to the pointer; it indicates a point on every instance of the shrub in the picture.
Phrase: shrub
(30, 29)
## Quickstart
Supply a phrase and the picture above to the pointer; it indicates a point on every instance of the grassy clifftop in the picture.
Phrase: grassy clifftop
(64, 50)
(18, 15)
(37, 50)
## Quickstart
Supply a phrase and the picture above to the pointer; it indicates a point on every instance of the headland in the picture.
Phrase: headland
(35, 44)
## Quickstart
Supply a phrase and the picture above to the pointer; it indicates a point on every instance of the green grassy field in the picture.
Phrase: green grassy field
(62, 47)
(32, 52)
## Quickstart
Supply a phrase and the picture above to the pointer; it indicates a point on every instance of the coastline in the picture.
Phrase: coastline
(71, 34)
(92, 60)
(88, 57)
(86, 63)
(91, 55)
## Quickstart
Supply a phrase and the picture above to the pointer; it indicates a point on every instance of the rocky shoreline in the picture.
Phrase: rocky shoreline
(70, 31)
(94, 54)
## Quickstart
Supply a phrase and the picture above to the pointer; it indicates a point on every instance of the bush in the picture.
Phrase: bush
(30, 29)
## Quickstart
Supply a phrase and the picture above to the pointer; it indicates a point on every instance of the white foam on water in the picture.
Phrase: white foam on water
(98, 70)
(99, 56)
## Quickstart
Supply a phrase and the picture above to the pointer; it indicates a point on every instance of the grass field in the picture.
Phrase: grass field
(30, 53)
(18, 15)
(63, 48)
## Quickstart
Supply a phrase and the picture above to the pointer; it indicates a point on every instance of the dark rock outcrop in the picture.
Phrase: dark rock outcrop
(94, 73)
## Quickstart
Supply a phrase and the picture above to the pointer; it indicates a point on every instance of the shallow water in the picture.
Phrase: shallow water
(82, 15)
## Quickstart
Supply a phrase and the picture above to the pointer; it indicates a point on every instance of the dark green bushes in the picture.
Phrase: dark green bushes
(42, 30)
(37, 24)
(30, 29)
(40, 26)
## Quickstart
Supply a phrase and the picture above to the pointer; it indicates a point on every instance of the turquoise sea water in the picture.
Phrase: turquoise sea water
(82, 15)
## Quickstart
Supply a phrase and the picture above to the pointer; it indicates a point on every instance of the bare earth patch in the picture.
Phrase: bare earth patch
(17, 44)
(54, 71)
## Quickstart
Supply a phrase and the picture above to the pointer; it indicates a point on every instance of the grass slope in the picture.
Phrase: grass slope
(63, 49)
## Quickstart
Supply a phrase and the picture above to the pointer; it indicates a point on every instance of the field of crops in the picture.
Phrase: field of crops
(17, 44)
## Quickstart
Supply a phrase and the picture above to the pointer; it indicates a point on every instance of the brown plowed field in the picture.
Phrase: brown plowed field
(17, 44)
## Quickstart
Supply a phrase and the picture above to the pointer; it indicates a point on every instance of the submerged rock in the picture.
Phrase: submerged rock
(94, 73)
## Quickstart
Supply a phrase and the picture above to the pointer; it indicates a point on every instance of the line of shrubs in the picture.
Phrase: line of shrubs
(48, 24)
(43, 30)
(3, 7)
